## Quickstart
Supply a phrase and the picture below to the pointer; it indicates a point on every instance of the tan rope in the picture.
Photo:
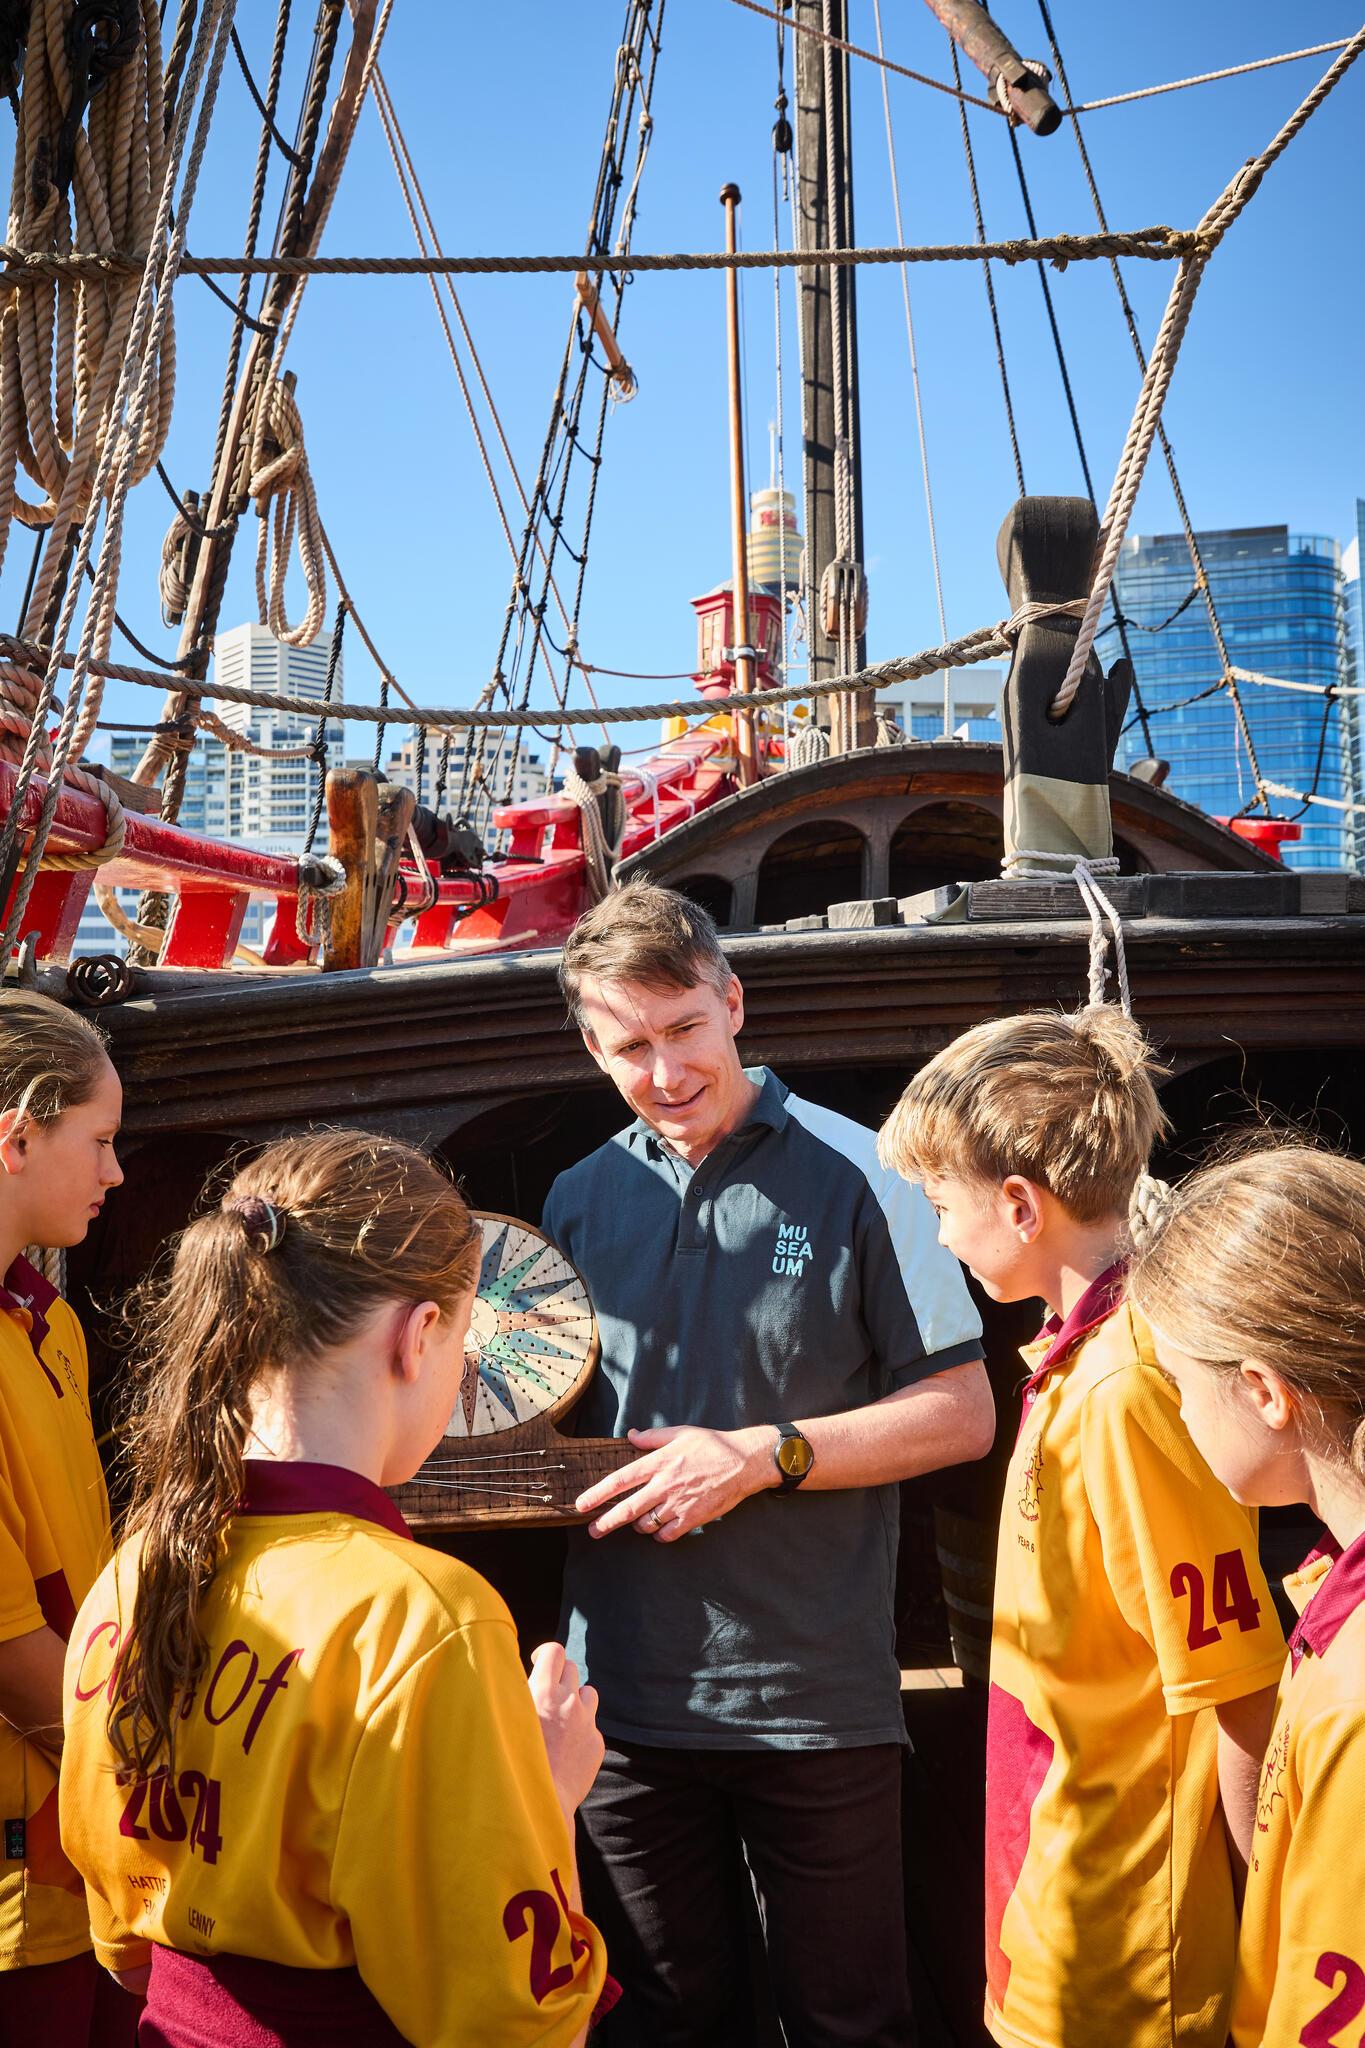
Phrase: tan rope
(1154, 244)
(62, 340)
(282, 487)
(1161, 365)
(130, 382)
(981, 645)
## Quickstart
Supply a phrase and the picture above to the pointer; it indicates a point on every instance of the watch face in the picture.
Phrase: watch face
(795, 1456)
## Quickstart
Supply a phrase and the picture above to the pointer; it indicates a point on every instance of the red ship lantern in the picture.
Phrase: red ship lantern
(716, 637)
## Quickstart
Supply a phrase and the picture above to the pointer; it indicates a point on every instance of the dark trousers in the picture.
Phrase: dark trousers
(74, 2004)
(664, 1839)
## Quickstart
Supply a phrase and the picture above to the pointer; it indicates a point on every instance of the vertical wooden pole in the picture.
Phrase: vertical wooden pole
(745, 751)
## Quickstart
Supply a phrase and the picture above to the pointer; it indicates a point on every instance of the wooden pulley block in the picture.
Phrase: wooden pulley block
(530, 1353)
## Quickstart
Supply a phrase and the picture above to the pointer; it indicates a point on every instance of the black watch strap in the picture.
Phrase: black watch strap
(792, 1455)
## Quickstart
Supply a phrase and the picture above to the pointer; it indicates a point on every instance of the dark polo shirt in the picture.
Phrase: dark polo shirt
(788, 1276)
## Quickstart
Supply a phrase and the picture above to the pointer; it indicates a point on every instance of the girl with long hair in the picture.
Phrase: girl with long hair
(60, 1104)
(305, 1779)
(1253, 1281)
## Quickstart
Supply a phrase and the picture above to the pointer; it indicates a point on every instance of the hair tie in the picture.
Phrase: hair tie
(1152, 1203)
(261, 1220)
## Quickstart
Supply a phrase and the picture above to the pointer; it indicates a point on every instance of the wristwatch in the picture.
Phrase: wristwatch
(792, 1455)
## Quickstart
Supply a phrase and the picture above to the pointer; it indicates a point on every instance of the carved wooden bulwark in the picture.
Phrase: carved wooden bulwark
(878, 792)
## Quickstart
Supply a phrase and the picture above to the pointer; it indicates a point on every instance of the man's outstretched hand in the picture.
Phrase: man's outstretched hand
(688, 1477)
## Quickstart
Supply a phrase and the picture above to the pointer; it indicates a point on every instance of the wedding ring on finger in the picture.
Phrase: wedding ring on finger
(653, 1520)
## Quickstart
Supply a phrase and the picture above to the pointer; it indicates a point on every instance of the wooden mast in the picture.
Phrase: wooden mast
(747, 766)
(829, 348)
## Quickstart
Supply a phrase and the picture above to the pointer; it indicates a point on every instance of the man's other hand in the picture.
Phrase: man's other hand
(687, 1478)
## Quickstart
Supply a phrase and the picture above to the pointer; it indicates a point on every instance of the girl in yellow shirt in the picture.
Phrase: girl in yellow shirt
(1254, 1284)
(309, 1790)
(60, 1104)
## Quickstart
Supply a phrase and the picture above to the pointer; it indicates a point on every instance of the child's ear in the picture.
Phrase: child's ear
(1271, 1398)
(13, 1141)
(1023, 1201)
(413, 1339)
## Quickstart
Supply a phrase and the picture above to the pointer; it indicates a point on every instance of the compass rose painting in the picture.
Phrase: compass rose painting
(532, 1341)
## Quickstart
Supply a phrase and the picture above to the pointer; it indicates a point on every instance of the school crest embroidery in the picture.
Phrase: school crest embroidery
(1271, 1790)
(1031, 1483)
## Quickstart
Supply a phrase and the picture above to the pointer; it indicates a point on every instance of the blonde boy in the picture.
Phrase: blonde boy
(1135, 1649)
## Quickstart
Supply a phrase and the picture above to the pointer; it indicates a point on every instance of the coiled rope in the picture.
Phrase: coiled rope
(130, 402)
(63, 340)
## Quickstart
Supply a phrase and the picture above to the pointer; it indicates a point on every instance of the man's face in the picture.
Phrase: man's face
(671, 1053)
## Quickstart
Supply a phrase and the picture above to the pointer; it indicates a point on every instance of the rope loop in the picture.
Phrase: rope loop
(325, 878)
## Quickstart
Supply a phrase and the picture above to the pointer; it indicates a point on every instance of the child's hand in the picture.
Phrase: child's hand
(568, 1722)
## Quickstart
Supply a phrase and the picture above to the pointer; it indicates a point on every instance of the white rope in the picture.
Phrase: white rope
(1100, 909)
(649, 785)
(599, 853)
(1147, 92)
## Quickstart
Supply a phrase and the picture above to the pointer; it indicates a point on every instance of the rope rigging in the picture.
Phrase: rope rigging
(524, 618)
(1146, 418)
(132, 387)
(914, 367)
(989, 282)
(125, 390)
(1156, 244)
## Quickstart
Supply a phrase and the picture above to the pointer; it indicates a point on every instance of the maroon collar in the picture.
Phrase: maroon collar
(25, 1289)
(272, 1486)
(1335, 1601)
(1095, 1306)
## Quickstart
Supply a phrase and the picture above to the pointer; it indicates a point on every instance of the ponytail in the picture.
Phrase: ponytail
(309, 1238)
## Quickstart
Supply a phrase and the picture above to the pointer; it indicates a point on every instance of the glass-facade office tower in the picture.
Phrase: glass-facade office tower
(1279, 598)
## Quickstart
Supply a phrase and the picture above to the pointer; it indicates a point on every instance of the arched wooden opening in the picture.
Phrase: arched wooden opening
(809, 868)
(945, 842)
(712, 893)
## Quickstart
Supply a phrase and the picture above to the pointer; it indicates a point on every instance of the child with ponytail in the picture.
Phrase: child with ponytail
(60, 1105)
(305, 1779)
(1122, 1702)
(1253, 1281)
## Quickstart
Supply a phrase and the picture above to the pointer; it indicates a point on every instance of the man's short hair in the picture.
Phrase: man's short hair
(646, 934)
(1066, 1100)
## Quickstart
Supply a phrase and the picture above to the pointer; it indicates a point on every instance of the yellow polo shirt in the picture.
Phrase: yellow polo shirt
(54, 1537)
(1301, 1958)
(360, 1778)
(1129, 1599)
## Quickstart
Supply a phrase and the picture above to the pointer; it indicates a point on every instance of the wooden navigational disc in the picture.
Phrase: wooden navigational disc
(530, 1352)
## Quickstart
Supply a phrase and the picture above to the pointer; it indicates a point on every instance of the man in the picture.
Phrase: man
(777, 1320)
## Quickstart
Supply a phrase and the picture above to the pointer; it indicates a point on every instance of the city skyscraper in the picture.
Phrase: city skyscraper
(1281, 604)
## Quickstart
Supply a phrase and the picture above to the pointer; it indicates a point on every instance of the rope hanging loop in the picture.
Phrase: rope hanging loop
(280, 483)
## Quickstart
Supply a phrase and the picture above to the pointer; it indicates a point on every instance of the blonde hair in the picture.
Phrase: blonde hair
(646, 934)
(51, 1059)
(1065, 1100)
(1263, 1256)
(307, 1241)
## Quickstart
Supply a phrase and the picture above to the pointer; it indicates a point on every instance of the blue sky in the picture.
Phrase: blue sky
(503, 108)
